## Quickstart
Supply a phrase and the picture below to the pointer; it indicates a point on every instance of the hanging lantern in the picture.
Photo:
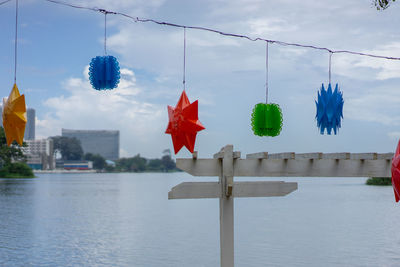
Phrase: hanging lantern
(14, 116)
(104, 72)
(184, 123)
(396, 173)
(329, 109)
(14, 108)
(266, 119)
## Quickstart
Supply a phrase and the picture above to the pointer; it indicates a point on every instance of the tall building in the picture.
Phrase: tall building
(30, 124)
(102, 142)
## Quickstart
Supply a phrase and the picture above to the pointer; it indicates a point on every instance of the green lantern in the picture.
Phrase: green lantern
(266, 119)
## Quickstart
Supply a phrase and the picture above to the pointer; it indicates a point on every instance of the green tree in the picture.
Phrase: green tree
(382, 4)
(168, 163)
(99, 163)
(167, 152)
(155, 165)
(11, 153)
(12, 159)
(140, 164)
(134, 164)
(137, 164)
(16, 170)
(69, 147)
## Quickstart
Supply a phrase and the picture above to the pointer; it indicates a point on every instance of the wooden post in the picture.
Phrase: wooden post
(226, 208)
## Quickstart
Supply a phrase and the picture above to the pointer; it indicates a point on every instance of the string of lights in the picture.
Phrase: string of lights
(243, 36)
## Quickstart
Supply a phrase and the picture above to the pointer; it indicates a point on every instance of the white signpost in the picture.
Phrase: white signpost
(226, 164)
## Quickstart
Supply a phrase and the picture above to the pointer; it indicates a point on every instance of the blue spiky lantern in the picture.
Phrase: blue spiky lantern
(329, 109)
(104, 72)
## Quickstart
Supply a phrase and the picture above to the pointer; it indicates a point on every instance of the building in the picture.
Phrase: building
(30, 123)
(40, 154)
(78, 165)
(102, 142)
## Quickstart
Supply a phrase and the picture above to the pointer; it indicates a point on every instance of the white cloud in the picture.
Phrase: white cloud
(369, 68)
(379, 105)
(269, 26)
(140, 122)
(140, 7)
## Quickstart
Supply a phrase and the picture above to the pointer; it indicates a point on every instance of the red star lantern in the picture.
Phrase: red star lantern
(396, 173)
(184, 123)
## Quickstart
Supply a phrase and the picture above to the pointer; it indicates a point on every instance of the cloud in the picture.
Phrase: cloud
(123, 109)
(386, 69)
(369, 68)
(139, 7)
(269, 26)
(380, 104)
(305, 22)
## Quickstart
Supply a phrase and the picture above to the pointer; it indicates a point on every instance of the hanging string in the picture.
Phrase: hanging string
(16, 41)
(266, 73)
(105, 12)
(184, 58)
(105, 33)
(330, 66)
(105, 28)
(137, 19)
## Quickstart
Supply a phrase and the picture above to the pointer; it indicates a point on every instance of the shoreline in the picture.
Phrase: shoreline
(64, 171)
(91, 171)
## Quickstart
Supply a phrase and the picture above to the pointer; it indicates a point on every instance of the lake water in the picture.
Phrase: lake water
(127, 220)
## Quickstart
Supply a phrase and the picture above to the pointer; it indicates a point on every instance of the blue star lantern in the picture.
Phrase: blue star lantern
(329, 109)
(104, 72)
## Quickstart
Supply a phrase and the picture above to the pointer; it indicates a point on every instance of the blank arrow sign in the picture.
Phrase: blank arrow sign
(263, 189)
(240, 189)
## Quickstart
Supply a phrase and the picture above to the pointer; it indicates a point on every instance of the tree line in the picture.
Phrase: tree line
(69, 148)
(140, 164)
(12, 160)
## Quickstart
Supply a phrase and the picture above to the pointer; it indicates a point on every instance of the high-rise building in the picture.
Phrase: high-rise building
(102, 142)
(30, 124)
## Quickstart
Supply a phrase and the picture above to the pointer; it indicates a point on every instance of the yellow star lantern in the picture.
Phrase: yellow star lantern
(14, 116)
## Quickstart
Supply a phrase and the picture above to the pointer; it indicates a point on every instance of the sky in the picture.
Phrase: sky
(225, 74)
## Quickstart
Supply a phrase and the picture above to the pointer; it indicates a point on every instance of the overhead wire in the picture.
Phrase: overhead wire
(4, 2)
(243, 36)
